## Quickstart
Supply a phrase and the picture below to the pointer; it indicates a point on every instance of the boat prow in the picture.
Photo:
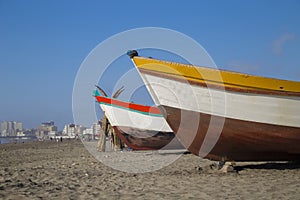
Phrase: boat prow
(140, 127)
(223, 115)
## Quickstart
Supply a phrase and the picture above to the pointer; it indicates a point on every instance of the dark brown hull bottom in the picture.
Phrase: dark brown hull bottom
(147, 140)
(239, 140)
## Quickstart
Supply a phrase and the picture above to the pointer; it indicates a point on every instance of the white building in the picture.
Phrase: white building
(43, 130)
(20, 134)
(88, 134)
(69, 130)
(73, 130)
(52, 134)
(11, 128)
(96, 130)
(88, 131)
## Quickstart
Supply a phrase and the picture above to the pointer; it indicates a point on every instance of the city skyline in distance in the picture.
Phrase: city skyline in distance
(44, 43)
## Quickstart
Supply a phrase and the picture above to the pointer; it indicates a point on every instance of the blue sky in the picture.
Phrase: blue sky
(43, 44)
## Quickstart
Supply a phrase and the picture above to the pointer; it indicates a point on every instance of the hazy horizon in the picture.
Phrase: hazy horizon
(43, 44)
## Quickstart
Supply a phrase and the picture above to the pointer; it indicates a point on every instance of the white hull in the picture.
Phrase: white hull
(262, 108)
(237, 118)
(121, 117)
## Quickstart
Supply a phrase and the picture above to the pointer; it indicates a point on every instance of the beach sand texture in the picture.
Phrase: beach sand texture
(66, 170)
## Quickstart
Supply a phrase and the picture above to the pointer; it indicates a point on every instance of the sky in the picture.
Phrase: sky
(44, 43)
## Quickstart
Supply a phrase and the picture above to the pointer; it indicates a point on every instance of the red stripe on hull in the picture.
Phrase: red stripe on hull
(239, 140)
(132, 106)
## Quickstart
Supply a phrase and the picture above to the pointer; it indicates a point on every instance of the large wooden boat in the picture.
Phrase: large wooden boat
(223, 115)
(140, 127)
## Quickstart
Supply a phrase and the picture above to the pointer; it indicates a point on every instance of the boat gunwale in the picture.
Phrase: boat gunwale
(142, 109)
(218, 86)
(213, 83)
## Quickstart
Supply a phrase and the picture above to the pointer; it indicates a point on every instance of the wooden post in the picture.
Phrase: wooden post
(101, 142)
(102, 139)
(118, 144)
(106, 130)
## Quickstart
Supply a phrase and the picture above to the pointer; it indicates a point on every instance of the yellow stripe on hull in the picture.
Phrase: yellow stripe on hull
(216, 77)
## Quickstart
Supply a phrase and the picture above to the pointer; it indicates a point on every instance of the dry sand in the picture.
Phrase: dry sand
(66, 170)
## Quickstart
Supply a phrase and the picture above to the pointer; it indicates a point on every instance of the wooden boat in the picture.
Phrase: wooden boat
(223, 115)
(140, 127)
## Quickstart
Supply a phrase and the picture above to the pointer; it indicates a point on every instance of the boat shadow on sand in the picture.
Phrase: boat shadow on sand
(269, 166)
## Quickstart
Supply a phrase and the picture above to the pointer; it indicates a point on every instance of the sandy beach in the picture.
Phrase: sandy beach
(66, 170)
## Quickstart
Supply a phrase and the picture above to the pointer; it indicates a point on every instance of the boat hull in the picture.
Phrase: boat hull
(239, 140)
(226, 116)
(139, 127)
(138, 139)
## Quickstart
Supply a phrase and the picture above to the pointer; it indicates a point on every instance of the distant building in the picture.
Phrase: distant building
(43, 130)
(4, 129)
(73, 130)
(93, 132)
(88, 134)
(96, 130)
(29, 132)
(52, 134)
(50, 123)
(11, 128)
(20, 134)
(69, 130)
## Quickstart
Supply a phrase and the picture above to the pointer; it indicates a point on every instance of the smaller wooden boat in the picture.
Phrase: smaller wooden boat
(140, 127)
